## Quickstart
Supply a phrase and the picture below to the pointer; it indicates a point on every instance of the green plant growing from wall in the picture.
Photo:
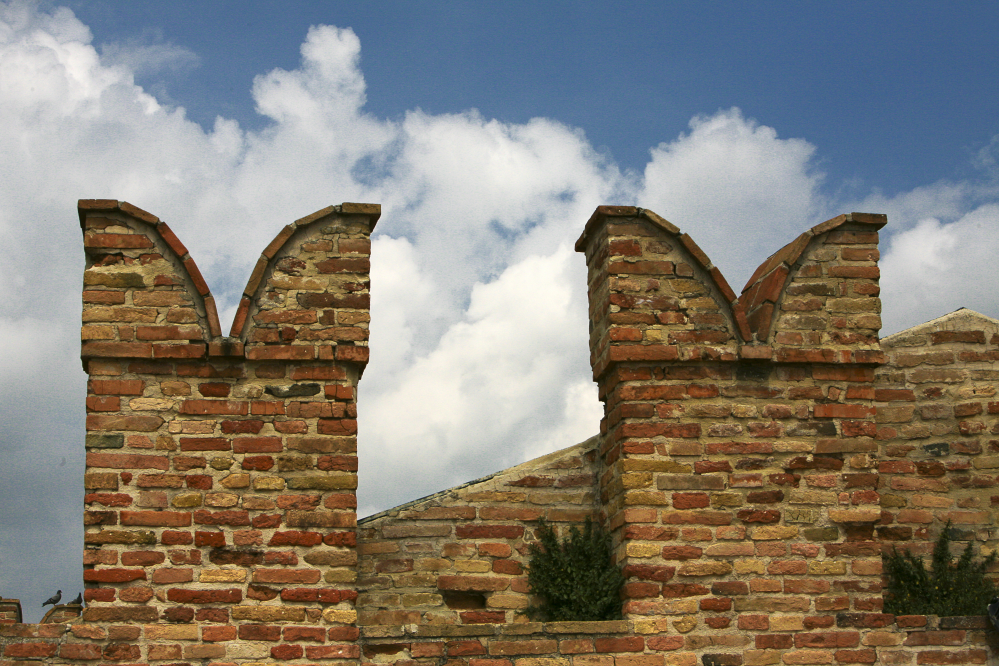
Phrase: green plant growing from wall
(948, 588)
(574, 578)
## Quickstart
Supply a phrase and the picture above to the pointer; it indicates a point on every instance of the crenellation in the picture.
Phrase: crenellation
(757, 455)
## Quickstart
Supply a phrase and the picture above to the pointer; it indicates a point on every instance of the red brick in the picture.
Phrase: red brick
(286, 576)
(80, 651)
(664, 643)
(621, 644)
(257, 445)
(120, 422)
(827, 639)
(213, 407)
(281, 352)
(489, 531)
(286, 652)
(183, 596)
(126, 461)
(251, 426)
(313, 634)
(117, 349)
(217, 634)
(113, 575)
(142, 558)
(211, 539)
(156, 518)
(176, 538)
(30, 650)
(843, 411)
(166, 575)
(259, 632)
(344, 633)
(234, 517)
(103, 404)
(117, 386)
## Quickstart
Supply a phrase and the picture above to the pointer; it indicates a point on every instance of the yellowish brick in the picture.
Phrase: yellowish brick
(340, 576)
(883, 638)
(704, 568)
(472, 566)
(150, 404)
(749, 567)
(221, 499)
(186, 500)
(636, 480)
(340, 616)
(774, 532)
(788, 446)
(643, 549)
(236, 481)
(651, 626)
(813, 497)
(171, 632)
(222, 575)
(268, 483)
(787, 623)
(271, 613)
(826, 568)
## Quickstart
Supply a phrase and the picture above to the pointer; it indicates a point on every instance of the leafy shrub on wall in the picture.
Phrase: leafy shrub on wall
(575, 578)
(947, 588)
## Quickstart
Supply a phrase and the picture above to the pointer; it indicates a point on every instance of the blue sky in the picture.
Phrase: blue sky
(488, 137)
(893, 94)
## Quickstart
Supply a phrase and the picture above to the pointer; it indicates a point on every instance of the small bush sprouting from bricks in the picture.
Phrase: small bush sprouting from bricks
(575, 579)
(948, 588)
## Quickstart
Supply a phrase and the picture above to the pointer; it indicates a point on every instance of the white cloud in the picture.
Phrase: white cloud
(504, 384)
(934, 268)
(739, 190)
(148, 55)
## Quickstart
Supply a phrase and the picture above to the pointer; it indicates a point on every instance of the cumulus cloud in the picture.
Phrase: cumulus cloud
(934, 268)
(736, 187)
(479, 331)
(149, 55)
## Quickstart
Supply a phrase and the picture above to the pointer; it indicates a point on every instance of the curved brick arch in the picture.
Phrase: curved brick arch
(670, 302)
(308, 292)
(144, 296)
(819, 290)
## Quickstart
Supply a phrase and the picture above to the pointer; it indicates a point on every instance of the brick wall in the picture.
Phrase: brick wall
(10, 611)
(458, 557)
(938, 424)
(757, 454)
(221, 471)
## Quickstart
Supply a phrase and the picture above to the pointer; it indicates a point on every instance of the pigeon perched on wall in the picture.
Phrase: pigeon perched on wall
(54, 599)
(993, 609)
(79, 599)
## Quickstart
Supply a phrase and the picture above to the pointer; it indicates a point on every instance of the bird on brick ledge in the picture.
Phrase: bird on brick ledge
(79, 599)
(54, 599)
(994, 611)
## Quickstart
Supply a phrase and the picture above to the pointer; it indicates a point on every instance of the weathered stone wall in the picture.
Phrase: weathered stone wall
(458, 557)
(938, 428)
(757, 455)
(221, 471)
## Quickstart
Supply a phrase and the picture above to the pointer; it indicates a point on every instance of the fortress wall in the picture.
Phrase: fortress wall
(221, 471)
(739, 471)
(756, 457)
(458, 557)
(938, 429)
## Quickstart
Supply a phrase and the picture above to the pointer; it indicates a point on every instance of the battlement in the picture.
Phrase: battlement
(757, 455)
